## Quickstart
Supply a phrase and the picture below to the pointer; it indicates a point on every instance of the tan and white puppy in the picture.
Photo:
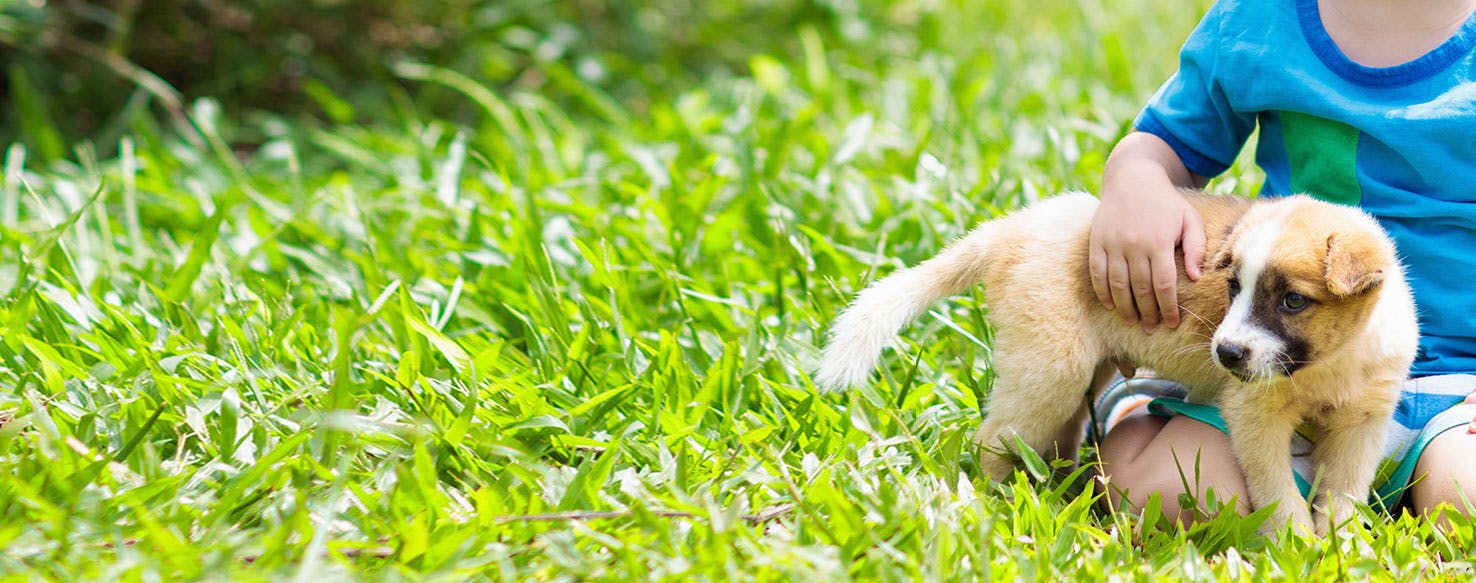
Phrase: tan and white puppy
(1302, 315)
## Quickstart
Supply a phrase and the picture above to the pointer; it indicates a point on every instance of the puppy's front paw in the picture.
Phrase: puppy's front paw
(1294, 514)
(995, 466)
(1327, 516)
(1323, 523)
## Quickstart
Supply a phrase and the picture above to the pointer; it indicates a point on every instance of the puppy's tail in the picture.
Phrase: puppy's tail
(874, 318)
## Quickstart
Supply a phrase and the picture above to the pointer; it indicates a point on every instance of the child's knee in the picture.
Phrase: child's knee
(1445, 476)
(1146, 458)
(1134, 486)
(1435, 498)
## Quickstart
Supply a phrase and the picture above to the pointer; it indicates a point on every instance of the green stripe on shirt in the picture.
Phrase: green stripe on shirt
(1322, 155)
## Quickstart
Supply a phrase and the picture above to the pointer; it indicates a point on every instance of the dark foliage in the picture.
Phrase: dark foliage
(82, 69)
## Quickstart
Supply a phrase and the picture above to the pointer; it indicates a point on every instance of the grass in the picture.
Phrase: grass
(568, 338)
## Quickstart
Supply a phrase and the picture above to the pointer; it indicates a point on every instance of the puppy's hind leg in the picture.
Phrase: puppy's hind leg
(1071, 435)
(1038, 398)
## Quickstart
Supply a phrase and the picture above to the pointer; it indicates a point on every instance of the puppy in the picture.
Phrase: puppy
(1302, 315)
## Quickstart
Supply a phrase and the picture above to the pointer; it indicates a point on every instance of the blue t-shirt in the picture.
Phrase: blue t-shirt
(1399, 141)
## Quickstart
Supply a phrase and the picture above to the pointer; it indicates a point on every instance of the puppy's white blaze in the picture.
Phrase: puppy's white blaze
(1254, 250)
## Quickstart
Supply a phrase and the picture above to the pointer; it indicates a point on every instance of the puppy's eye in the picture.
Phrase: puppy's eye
(1234, 287)
(1294, 302)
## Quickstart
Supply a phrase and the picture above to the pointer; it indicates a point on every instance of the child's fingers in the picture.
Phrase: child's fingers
(1097, 268)
(1140, 273)
(1165, 287)
(1192, 242)
(1120, 286)
(1471, 398)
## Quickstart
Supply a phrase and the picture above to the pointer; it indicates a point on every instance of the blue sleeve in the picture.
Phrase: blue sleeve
(1191, 112)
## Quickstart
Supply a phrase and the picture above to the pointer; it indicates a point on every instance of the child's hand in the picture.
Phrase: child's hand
(1140, 221)
(1133, 238)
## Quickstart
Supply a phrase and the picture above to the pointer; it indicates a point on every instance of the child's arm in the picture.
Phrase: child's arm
(1142, 218)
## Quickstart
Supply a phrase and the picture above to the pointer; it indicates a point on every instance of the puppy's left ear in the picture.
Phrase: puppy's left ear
(1354, 265)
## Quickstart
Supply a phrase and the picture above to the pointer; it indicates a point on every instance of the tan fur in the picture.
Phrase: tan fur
(1053, 340)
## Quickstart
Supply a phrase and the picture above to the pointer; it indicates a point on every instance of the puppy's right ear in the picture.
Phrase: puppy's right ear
(1354, 265)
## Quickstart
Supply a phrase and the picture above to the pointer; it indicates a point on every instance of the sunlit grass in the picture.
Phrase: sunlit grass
(570, 339)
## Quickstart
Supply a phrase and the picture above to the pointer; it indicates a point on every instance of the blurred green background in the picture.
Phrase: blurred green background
(76, 66)
(89, 69)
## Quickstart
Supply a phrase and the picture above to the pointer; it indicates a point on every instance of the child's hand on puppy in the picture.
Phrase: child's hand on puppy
(1141, 221)
(1134, 235)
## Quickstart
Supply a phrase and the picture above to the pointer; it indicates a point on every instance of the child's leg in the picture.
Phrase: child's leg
(1139, 459)
(1445, 473)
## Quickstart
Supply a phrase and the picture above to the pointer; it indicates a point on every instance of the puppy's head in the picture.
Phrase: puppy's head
(1304, 276)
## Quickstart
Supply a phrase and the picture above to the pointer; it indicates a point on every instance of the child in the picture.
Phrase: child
(1365, 102)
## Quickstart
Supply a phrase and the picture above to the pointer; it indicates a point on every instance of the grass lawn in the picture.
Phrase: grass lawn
(567, 336)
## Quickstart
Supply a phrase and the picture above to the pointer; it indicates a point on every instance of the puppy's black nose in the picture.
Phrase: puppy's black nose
(1232, 356)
